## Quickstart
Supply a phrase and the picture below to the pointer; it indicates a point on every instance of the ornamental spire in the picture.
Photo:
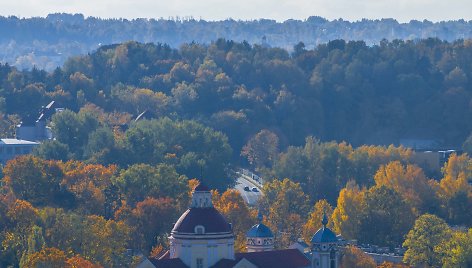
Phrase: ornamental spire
(260, 217)
(324, 221)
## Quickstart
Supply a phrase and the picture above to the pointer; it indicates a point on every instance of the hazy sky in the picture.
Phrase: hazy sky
(402, 10)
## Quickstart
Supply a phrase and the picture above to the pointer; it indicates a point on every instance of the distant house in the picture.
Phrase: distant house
(37, 130)
(420, 144)
(10, 148)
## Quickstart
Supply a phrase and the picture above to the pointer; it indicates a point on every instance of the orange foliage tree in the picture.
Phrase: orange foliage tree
(151, 218)
(235, 210)
(34, 179)
(88, 182)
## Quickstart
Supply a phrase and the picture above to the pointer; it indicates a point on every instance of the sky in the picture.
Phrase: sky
(280, 10)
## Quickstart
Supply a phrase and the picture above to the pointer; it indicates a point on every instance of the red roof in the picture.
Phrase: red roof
(168, 263)
(286, 258)
(210, 218)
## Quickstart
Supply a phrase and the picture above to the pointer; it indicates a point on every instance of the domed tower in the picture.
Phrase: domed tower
(201, 236)
(324, 247)
(259, 237)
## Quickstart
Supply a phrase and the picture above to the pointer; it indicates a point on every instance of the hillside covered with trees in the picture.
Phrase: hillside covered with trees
(48, 42)
(343, 91)
(318, 124)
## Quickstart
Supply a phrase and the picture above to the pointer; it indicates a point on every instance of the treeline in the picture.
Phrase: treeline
(375, 196)
(337, 91)
(74, 214)
(202, 107)
(48, 42)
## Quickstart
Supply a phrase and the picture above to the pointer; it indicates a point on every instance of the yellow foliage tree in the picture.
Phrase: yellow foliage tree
(314, 221)
(457, 175)
(348, 213)
(410, 182)
(284, 199)
(456, 190)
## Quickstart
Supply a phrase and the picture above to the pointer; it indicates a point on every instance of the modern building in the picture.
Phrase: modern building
(10, 148)
(202, 238)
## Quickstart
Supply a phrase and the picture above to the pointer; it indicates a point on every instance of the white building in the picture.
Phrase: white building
(202, 238)
(10, 148)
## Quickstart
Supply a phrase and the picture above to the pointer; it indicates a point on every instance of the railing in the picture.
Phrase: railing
(252, 176)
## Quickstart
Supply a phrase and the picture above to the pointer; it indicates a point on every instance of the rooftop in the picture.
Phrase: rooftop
(207, 217)
(259, 230)
(17, 142)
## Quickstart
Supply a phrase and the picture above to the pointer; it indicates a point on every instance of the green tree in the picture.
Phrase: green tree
(428, 232)
(52, 150)
(100, 140)
(141, 180)
(189, 146)
(387, 217)
(457, 252)
(73, 129)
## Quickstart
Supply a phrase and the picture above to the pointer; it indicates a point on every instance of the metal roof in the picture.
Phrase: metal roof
(17, 142)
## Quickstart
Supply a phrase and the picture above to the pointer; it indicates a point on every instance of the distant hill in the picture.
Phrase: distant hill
(47, 42)
(380, 94)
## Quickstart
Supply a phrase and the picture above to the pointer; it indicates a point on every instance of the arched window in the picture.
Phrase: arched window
(332, 258)
(199, 229)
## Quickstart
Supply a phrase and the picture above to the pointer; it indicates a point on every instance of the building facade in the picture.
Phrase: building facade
(202, 238)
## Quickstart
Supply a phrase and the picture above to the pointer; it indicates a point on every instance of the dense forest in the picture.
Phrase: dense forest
(316, 123)
(47, 42)
(343, 91)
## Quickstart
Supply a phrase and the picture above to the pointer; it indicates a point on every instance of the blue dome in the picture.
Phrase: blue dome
(259, 230)
(324, 235)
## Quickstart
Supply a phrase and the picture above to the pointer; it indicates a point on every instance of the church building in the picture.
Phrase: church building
(202, 238)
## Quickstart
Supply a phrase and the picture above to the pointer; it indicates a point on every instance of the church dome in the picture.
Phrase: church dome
(324, 234)
(207, 217)
(259, 230)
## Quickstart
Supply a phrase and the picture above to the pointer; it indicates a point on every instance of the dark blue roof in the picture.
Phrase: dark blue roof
(259, 230)
(324, 235)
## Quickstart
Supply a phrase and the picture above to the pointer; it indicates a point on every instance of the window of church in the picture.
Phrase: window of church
(199, 263)
(332, 256)
(199, 229)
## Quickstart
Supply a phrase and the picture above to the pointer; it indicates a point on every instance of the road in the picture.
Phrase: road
(249, 196)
